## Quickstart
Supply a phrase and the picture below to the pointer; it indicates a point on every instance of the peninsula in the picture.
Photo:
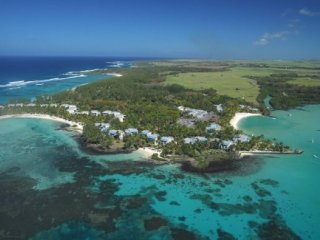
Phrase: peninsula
(176, 110)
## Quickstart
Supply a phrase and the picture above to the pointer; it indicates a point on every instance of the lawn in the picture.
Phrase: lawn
(308, 82)
(234, 82)
(231, 83)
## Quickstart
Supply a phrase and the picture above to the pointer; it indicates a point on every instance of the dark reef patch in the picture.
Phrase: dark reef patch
(160, 196)
(85, 208)
(179, 234)
(261, 192)
(247, 198)
(136, 202)
(269, 182)
(242, 167)
(275, 229)
(154, 223)
(174, 203)
(223, 235)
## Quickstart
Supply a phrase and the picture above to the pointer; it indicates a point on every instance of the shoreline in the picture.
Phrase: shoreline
(147, 152)
(234, 122)
(74, 126)
(115, 74)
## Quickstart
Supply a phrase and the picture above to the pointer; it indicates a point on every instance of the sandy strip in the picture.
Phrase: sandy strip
(115, 74)
(234, 122)
(78, 127)
(148, 152)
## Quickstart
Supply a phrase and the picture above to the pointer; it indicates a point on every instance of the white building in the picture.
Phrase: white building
(104, 127)
(83, 113)
(193, 140)
(72, 109)
(131, 131)
(226, 144)
(213, 126)
(117, 115)
(219, 108)
(95, 112)
(31, 105)
(166, 139)
(242, 138)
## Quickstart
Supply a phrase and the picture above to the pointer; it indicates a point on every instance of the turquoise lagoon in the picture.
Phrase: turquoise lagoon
(121, 197)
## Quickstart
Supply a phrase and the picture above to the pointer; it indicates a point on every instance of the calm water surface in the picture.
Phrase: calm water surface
(50, 188)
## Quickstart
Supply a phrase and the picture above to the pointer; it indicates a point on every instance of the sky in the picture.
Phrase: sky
(215, 29)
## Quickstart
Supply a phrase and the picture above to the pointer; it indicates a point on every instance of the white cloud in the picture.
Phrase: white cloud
(266, 38)
(307, 12)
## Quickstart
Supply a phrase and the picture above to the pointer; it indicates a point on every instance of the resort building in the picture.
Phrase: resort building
(131, 131)
(201, 139)
(226, 144)
(31, 105)
(219, 108)
(213, 127)
(64, 105)
(69, 108)
(145, 132)
(153, 137)
(83, 113)
(117, 115)
(104, 127)
(1, 106)
(242, 138)
(113, 133)
(11, 105)
(166, 139)
(252, 109)
(19, 104)
(189, 123)
(149, 135)
(196, 113)
(95, 112)
(44, 105)
(189, 140)
(193, 140)
(53, 105)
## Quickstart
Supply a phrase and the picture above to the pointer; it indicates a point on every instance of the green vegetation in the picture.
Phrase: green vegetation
(284, 94)
(230, 83)
(308, 82)
(150, 95)
(93, 135)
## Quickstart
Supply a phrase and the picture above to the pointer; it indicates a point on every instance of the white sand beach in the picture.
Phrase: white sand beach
(234, 122)
(78, 127)
(115, 74)
(148, 152)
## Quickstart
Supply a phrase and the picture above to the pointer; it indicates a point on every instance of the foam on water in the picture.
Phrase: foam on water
(38, 82)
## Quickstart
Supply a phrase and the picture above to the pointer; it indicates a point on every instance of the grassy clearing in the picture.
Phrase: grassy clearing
(230, 83)
(308, 82)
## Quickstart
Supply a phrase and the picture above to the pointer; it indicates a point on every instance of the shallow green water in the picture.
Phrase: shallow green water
(119, 197)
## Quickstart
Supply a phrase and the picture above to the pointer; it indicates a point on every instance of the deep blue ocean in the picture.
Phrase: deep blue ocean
(28, 77)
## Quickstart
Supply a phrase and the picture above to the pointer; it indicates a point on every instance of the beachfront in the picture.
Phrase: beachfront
(77, 127)
(234, 122)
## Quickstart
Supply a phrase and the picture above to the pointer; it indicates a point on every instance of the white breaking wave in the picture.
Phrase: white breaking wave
(37, 82)
(91, 70)
(116, 64)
